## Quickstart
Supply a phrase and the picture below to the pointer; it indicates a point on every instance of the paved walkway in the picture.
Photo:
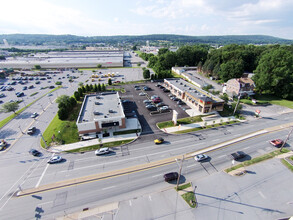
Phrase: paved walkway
(81, 144)
(214, 120)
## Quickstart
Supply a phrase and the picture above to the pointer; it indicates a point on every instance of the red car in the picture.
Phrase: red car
(156, 100)
(277, 142)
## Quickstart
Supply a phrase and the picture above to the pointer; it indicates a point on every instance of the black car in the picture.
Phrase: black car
(31, 130)
(237, 155)
(171, 176)
(180, 102)
(35, 153)
(166, 90)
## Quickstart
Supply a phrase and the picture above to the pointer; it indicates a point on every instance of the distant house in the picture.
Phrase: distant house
(241, 86)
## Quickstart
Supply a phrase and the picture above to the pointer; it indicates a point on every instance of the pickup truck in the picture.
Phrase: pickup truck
(276, 142)
(237, 155)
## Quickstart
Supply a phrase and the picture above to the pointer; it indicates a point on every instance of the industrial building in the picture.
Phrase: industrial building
(194, 97)
(66, 59)
(100, 112)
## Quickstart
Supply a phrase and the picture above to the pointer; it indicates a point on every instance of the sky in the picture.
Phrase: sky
(140, 17)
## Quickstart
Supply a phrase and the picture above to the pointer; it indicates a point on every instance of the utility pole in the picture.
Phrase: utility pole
(44, 140)
(237, 104)
(179, 172)
(286, 139)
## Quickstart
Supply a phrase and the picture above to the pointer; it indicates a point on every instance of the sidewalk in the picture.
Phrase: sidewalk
(80, 144)
(197, 125)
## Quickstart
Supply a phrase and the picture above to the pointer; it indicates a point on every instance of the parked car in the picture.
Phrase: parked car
(137, 88)
(164, 108)
(159, 140)
(152, 108)
(142, 94)
(55, 159)
(146, 88)
(2, 95)
(171, 176)
(34, 115)
(49, 94)
(31, 87)
(31, 130)
(154, 97)
(180, 102)
(166, 90)
(102, 151)
(157, 100)
(35, 152)
(24, 88)
(160, 104)
(147, 101)
(201, 157)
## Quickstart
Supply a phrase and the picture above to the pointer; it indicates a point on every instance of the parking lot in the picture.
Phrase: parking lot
(147, 119)
(25, 90)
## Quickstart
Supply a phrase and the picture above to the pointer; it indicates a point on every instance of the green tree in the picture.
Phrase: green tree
(139, 64)
(146, 73)
(38, 67)
(72, 102)
(231, 69)
(76, 96)
(80, 92)
(109, 81)
(62, 113)
(103, 87)
(80, 84)
(91, 88)
(274, 73)
(87, 88)
(10, 107)
(95, 88)
(99, 66)
(99, 87)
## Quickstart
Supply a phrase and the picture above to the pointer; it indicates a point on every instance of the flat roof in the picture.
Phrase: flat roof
(98, 106)
(193, 90)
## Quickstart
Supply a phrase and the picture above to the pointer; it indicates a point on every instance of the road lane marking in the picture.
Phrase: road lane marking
(110, 187)
(193, 165)
(41, 177)
(44, 203)
(261, 194)
(221, 156)
(150, 198)
(157, 175)
(216, 139)
(130, 203)
(246, 148)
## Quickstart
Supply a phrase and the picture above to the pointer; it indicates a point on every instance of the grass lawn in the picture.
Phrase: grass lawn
(189, 120)
(263, 99)
(288, 165)
(181, 187)
(68, 132)
(190, 199)
(68, 129)
(97, 146)
(258, 159)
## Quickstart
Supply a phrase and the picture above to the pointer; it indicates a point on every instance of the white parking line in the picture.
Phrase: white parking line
(246, 148)
(221, 156)
(150, 198)
(216, 140)
(130, 203)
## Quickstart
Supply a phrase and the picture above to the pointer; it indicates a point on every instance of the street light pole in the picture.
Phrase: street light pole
(20, 129)
(286, 139)
(237, 104)
(46, 146)
(179, 172)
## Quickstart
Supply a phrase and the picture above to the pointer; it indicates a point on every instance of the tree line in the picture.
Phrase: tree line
(271, 64)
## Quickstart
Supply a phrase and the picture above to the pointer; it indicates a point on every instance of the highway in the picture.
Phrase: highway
(31, 172)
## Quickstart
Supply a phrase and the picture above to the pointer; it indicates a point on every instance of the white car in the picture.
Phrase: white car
(154, 97)
(55, 159)
(164, 108)
(201, 157)
(102, 151)
(34, 115)
(142, 94)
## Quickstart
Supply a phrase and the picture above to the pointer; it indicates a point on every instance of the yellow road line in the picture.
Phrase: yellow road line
(143, 167)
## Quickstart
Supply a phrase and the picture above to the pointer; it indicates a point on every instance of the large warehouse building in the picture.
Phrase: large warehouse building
(100, 112)
(66, 59)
